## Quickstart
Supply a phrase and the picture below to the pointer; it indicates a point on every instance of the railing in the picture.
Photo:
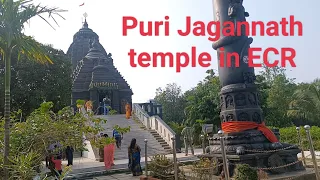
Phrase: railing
(154, 123)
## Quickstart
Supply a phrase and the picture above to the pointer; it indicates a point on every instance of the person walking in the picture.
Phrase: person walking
(128, 111)
(57, 165)
(69, 155)
(187, 134)
(134, 155)
(118, 137)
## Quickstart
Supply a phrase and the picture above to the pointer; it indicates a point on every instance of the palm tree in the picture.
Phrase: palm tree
(13, 15)
(306, 102)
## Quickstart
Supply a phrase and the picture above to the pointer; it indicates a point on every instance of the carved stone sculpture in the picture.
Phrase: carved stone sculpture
(255, 144)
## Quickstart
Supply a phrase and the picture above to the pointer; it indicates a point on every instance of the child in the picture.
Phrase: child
(58, 165)
(118, 138)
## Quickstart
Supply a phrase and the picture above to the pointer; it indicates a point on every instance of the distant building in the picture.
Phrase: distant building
(152, 108)
(94, 75)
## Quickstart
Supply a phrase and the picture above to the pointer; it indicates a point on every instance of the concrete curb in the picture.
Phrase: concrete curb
(82, 176)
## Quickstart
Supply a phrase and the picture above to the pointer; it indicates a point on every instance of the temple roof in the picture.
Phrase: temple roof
(86, 32)
(95, 52)
(96, 71)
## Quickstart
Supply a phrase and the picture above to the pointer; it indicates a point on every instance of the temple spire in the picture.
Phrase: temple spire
(85, 24)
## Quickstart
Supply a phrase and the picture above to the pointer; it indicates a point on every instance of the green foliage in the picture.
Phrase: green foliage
(203, 169)
(112, 111)
(25, 166)
(172, 101)
(197, 131)
(245, 172)
(176, 127)
(306, 102)
(32, 83)
(122, 130)
(29, 140)
(289, 135)
(275, 92)
(161, 167)
(203, 101)
(80, 102)
(102, 141)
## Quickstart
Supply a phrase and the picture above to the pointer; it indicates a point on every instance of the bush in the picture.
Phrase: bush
(203, 169)
(245, 172)
(161, 167)
(289, 135)
(30, 139)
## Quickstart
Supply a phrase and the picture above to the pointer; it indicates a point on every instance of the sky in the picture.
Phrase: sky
(105, 18)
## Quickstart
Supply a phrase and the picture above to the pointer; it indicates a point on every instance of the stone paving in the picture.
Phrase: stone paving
(116, 177)
(86, 166)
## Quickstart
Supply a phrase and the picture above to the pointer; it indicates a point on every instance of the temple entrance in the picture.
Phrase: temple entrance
(105, 93)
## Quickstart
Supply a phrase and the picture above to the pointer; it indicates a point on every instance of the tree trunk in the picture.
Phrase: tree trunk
(7, 58)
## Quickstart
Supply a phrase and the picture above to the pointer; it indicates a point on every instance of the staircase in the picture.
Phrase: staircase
(156, 135)
(155, 144)
(162, 142)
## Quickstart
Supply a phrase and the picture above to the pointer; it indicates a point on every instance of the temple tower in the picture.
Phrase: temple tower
(94, 74)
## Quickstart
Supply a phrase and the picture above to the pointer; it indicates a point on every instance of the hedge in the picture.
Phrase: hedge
(289, 135)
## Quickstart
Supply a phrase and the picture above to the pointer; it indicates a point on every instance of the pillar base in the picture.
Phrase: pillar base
(265, 161)
(252, 148)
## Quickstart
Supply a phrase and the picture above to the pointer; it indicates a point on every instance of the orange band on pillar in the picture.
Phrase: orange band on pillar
(239, 126)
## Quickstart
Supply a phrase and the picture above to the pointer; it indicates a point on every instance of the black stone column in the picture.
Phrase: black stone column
(240, 99)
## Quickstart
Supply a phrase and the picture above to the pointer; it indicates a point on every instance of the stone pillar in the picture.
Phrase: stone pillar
(239, 96)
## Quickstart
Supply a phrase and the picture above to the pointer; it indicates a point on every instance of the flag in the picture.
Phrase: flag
(81, 4)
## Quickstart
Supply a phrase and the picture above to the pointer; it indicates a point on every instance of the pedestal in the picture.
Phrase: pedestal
(252, 148)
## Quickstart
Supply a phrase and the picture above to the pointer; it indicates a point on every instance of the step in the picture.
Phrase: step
(165, 146)
(155, 141)
(161, 140)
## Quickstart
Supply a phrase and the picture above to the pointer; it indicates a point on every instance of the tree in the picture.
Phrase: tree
(203, 101)
(279, 93)
(42, 128)
(13, 16)
(306, 102)
(34, 83)
(172, 101)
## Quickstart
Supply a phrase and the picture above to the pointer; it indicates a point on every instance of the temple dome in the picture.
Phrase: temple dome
(95, 52)
(85, 32)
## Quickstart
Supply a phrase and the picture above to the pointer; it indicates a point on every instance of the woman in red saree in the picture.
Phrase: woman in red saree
(109, 155)
(128, 111)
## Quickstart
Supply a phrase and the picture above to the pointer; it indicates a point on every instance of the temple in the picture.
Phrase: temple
(94, 75)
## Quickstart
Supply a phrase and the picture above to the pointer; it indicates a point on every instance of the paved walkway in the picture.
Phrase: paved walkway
(116, 177)
(84, 165)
